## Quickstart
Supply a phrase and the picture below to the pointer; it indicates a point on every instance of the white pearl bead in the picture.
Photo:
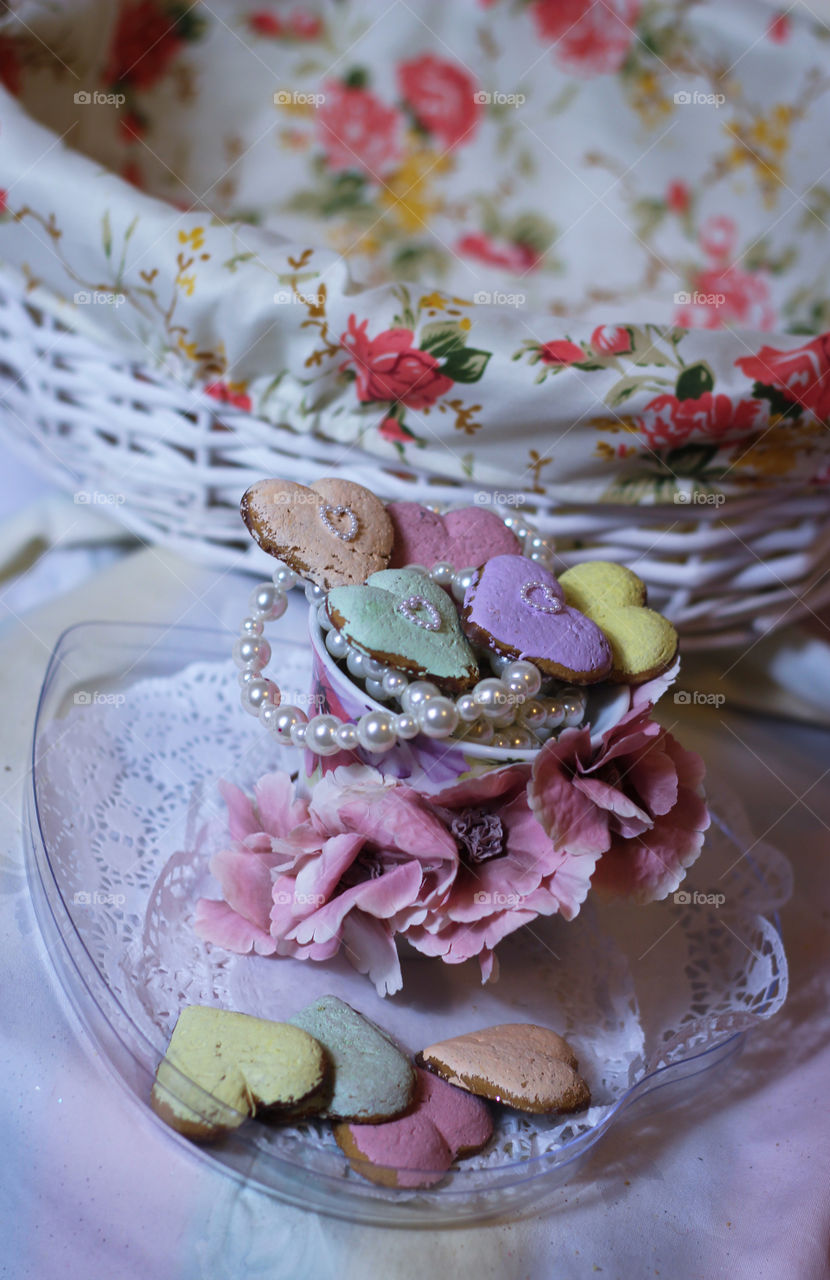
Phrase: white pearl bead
(498, 662)
(313, 593)
(261, 599)
(522, 678)
(501, 740)
(555, 712)
(246, 675)
(394, 683)
(376, 731)
(268, 713)
(461, 583)
(418, 692)
(375, 689)
(337, 644)
(502, 721)
(346, 735)
(438, 718)
(298, 732)
(323, 618)
(251, 651)
(491, 698)
(419, 568)
(467, 708)
(278, 608)
(521, 531)
(321, 734)
(407, 726)
(251, 627)
(284, 721)
(284, 578)
(573, 706)
(518, 739)
(535, 543)
(442, 573)
(533, 713)
(479, 731)
(355, 664)
(374, 669)
(254, 695)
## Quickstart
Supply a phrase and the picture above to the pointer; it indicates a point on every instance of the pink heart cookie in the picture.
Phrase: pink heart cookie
(416, 1149)
(462, 538)
(518, 609)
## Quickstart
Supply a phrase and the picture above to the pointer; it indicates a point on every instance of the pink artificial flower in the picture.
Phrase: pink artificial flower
(358, 863)
(667, 422)
(508, 871)
(802, 374)
(593, 36)
(634, 806)
(389, 367)
(611, 340)
(442, 96)
(561, 352)
(241, 921)
(516, 256)
(358, 131)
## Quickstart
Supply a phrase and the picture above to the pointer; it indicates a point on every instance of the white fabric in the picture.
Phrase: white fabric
(730, 1182)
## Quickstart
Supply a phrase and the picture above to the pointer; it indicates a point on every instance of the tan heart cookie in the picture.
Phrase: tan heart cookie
(220, 1067)
(643, 642)
(335, 532)
(517, 1063)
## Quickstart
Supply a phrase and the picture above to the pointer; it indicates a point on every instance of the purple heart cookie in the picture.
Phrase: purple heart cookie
(518, 609)
(462, 538)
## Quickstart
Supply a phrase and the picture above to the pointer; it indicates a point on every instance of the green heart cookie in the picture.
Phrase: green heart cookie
(402, 618)
(643, 642)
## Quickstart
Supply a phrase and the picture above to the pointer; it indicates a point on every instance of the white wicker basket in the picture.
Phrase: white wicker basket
(178, 464)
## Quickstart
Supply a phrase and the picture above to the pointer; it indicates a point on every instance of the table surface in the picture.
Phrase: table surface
(733, 1181)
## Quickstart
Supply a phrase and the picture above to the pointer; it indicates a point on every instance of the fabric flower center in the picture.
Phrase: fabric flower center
(480, 835)
(368, 865)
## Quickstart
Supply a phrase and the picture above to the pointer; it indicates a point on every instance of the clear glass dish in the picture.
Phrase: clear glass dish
(135, 726)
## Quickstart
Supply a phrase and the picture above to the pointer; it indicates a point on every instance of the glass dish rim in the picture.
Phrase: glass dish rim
(531, 1168)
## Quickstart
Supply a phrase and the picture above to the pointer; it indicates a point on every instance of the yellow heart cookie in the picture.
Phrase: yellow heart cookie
(220, 1067)
(643, 642)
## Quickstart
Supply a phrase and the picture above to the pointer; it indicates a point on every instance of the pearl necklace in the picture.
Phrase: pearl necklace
(503, 711)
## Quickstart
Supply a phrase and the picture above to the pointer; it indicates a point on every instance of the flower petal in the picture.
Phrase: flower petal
(278, 810)
(371, 948)
(216, 922)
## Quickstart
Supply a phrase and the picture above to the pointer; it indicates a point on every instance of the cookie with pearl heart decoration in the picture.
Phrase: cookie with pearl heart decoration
(643, 642)
(518, 609)
(332, 532)
(401, 618)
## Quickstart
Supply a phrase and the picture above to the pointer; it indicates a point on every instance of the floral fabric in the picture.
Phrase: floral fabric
(575, 247)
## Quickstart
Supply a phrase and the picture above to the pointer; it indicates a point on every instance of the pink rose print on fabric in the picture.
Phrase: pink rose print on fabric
(389, 367)
(508, 871)
(611, 340)
(779, 28)
(678, 197)
(148, 36)
(667, 422)
(518, 258)
(358, 131)
(561, 352)
(592, 37)
(635, 805)
(724, 293)
(802, 375)
(442, 97)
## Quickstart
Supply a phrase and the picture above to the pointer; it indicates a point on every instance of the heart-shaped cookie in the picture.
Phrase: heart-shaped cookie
(643, 642)
(518, 1063)
(518, 609)
(220, 1067)
(372, 1079)
(333, 532)
(402, 618)
(469, 536)
(444, 1124)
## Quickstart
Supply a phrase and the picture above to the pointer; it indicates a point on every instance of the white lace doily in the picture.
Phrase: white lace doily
(130, 815)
